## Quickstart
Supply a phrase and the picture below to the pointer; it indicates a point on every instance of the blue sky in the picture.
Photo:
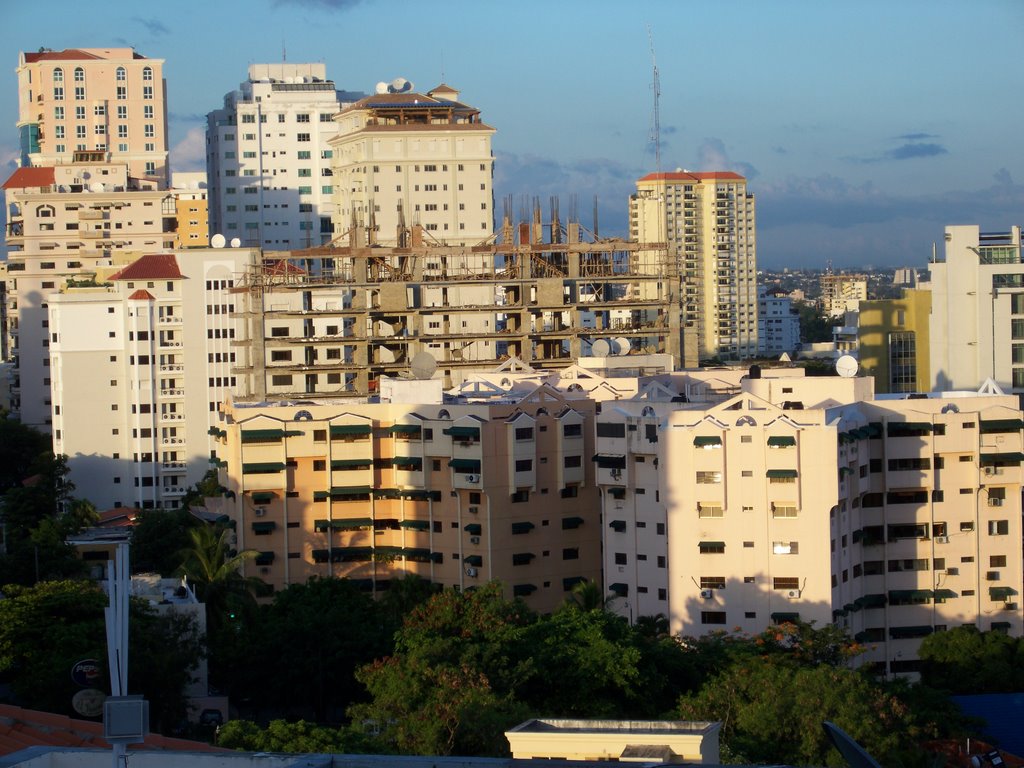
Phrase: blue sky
(863, 127)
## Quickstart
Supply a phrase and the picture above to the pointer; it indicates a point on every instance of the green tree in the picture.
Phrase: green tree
(158, 539)
(964, 660)
(282, 736)
(814, 325)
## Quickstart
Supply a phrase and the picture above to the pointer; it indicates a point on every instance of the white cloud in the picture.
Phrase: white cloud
(189, 154)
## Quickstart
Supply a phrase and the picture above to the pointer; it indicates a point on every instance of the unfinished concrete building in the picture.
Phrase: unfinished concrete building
(332, 320)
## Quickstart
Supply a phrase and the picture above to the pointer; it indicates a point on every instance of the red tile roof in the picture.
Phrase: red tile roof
(141, 295)
(118, 517)
(693, 176)
(68, 54)
(155, 266)
(22, 728)
(30, 178)
(443, 88)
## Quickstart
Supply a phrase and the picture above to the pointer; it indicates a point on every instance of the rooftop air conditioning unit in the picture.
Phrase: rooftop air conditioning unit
(474, 539)
(942, 539)
(707, 594)
(260, 511)
(990, 470)
(792, 594)
(472, 478)
(471, 572)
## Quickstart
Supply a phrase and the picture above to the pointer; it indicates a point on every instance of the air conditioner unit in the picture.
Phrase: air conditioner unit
(990, 470)
(474, 539)
(707, 594)
(473, 510)
(1009, 605)
(472, 478)
(616, 474)
(792, 594)
(952, 571)
(995, 502)
(260, 511)
(471, 572)
(942, 539)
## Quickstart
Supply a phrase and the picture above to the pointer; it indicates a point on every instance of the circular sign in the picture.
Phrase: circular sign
(86, 673)
(89, 702)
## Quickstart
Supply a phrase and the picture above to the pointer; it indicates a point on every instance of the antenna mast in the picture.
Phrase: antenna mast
(656, 87)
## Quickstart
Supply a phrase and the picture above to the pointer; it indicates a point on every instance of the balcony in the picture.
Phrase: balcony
(169, 320)
(172, 393)
(174, 368)
(172, 441)
(166, 466)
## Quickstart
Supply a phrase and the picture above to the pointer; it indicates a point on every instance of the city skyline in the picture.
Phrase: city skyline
(862, 129)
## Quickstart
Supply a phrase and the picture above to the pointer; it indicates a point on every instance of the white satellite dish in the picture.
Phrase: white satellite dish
(423, 366)
(382, 87)
(846, 366)
(236, 242)
(385, 355)
(399, 85)
(217, 241)
(623, 346)
(601, 348)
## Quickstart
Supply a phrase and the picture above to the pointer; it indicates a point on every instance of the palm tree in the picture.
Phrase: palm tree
(587, 596)
(214, 570)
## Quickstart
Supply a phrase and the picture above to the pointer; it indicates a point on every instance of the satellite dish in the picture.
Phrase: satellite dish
(96, 186)
(846, 366)
(853, 753)
(235, 242)
(385, 329)
(601, 348)
(217, 241)
(623, 346)
(399, 85)
(382, 87)
(423, 366)
(385, 355)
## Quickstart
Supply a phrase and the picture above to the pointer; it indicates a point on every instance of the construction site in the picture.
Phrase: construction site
(333, 320)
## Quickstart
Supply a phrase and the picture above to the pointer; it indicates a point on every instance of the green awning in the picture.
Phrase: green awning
(851, 607)
(402, 461)
(871, 601)
(474, 560)
(473, 529)
(405, 429)
(522, 590)
(782, 617)
(463, 432)
(619, 526)
(321, 495)
(350, 490)
(420, 494)
(264, 558)
(386, 551)
(1001, 425)
(320, 555)
(1000, 626)
(908, 427)
(904, 633)
(266, 435)
(776, 473)
(218, 462)
(522, 527)
(263, 497)
(262, 467)
(264, 527)
(416, 525)
(1001, 459)
(386, 493)
(839, 612)
(702, 441)
(620, 589)
(351, 463)
(347, 430)
(352, 523)
(711, 547)
(217, 432)
(896, 595)
(568, 523)
(609, 461)
(617, 492)
(465, 465)
(1001, 593)
(945, 594)
(781, 441)
(418, 554)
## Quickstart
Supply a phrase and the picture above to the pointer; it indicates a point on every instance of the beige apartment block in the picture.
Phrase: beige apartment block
(414, 158)
(977, 316)
(107, 100)
(64, 223)
(192, 209)
(640, 741)
(459, 494)
(909, 529)
(333, 321)
(708, 221)
(140, 362)
(842, 293)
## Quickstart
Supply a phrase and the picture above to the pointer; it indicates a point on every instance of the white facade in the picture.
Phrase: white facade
(977, 319)
(138, 369)
(269, 158)
(778, 324)
(411, 158)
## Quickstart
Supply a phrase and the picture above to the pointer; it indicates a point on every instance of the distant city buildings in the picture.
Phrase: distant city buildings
(842, 293)
(778, 324)
(707, 220)
(268, 161)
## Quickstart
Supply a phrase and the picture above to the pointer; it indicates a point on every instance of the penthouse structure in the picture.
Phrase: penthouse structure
(495, 486)
(106, 100)
(708, 221)
(911, 533)
(269, 158)
(407, 158)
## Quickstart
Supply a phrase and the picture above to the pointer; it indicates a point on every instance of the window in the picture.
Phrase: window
(303, 137)
(302, 117)
(147, 73)
(786, 582)
(712, 582)
(998, 527)
(122, 112)
(147, 111)
(122, 93)
(147, 91)
(707, 478)
(997, 561)
(712, 617)
(149, 131)
(711, 547)
(620, 558)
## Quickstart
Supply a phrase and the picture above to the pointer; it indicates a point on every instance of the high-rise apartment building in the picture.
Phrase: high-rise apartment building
(842, 293)
(977, 319)
(892, 341)
(498, 486)
(140, 362)
(778, 323)
(64, 224)
(414, 158)
(268, 158)
(192, 207)
(708, 221)
(109, 100)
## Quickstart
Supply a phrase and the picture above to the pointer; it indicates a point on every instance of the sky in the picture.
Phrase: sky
(863, 128)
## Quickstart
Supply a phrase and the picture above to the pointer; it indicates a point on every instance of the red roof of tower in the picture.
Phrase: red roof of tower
(154, 266)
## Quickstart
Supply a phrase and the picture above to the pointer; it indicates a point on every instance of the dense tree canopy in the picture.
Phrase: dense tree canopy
(159, 537)
(964, 660)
